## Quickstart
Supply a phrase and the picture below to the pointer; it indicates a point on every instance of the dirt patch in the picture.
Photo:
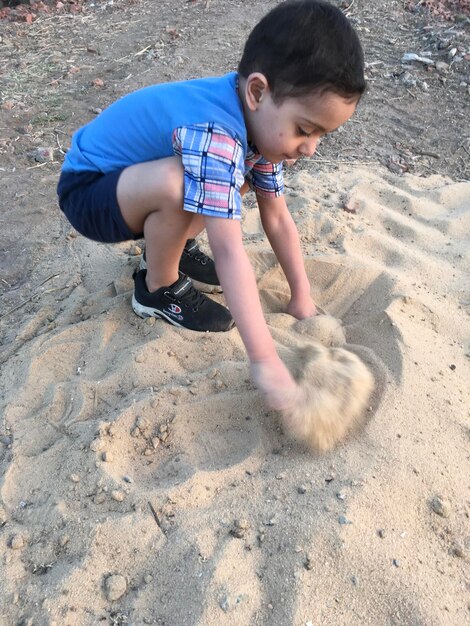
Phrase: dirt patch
(67, 61)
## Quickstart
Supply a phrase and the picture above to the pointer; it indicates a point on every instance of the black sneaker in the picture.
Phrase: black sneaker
(181, 305)
(195, 264)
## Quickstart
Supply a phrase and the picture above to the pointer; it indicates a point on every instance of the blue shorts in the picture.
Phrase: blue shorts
(89, 202)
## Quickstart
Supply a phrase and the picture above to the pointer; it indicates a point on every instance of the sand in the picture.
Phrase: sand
(334, 387)
(143, 481)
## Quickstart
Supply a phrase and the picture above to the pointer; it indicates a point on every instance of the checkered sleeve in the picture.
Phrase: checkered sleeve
(213, 162)
(266, 178)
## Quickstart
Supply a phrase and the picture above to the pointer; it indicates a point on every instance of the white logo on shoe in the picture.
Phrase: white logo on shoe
(174, 310)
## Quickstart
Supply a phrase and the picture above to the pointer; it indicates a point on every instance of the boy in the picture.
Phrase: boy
(169, 160)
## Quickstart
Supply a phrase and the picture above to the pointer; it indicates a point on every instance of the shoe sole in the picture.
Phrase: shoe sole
(147, 311)
(204, 287)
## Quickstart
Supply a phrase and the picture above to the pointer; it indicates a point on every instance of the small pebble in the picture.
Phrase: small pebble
(224, 604)
(75, 478)
(342, 519)
(396, 562)
(96, 445)
(128, 479)
(142, 423)
(63, 540)
(440, 506)
(308, 563)
(43, 154)
(148, 578)
(302, 489)
(107, 457)
(118, 495)
(381, 533)
(239, 528)
(458, 550)
(139, 358)
(341, 496)
(115, 586)
(17, 542)
(442, 67)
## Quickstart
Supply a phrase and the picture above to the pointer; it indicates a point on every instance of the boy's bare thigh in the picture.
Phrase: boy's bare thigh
(148, 187)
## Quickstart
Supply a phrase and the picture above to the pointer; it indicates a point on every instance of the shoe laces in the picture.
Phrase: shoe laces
(192, 298)
(196, 253)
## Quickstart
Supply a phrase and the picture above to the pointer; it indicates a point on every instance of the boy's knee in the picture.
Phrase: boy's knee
(172, 180)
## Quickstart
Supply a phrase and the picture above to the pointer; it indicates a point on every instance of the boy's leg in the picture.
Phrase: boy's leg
(194, 262)
(197, 226)
(150, 196)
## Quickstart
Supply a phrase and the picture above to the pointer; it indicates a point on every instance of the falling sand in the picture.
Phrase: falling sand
(335, 387)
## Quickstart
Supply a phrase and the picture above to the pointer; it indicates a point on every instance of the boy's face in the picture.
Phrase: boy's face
(293, 129)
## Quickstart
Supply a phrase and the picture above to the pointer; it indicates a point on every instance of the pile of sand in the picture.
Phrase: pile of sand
(143, 481)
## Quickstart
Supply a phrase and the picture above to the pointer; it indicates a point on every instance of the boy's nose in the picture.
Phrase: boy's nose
(308, 147)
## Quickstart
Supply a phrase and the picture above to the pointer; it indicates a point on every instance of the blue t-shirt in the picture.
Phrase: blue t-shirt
(200, 120)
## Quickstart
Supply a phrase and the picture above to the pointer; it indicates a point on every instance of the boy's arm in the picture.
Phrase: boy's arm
(241, 293)
(283, 236)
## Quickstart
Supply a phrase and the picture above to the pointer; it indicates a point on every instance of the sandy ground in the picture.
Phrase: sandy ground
(142, 480)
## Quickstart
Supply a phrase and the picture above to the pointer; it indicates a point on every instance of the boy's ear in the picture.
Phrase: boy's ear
(256, 87)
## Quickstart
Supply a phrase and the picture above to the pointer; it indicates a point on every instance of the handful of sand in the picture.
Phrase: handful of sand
(335, 387)
(324, 328)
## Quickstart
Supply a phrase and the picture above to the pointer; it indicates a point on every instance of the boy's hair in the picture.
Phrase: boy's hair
(305, 46)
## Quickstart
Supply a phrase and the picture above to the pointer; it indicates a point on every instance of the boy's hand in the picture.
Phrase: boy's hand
(274, 380)
(301, 308)
(284, 239)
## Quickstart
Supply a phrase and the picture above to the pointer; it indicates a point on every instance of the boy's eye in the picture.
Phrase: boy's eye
(301, 131)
